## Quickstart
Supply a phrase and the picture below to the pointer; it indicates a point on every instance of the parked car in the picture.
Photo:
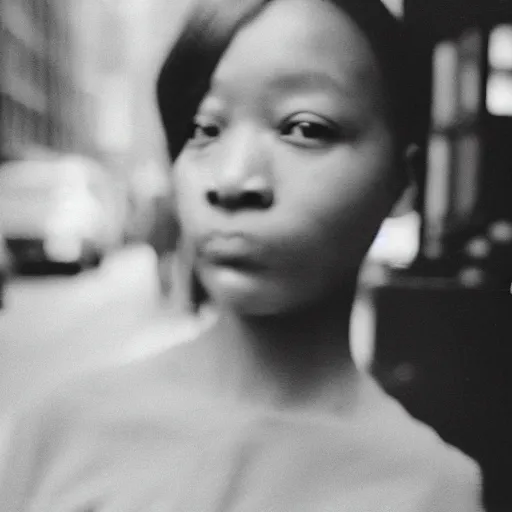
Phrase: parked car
(56, 211)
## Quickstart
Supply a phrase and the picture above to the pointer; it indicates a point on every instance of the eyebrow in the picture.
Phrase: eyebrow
(308, 80)
(301, 80)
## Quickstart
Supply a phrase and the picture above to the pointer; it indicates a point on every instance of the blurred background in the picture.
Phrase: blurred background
(86, 231)
(88, 274)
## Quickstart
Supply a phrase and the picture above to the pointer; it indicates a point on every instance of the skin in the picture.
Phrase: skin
(296, 111)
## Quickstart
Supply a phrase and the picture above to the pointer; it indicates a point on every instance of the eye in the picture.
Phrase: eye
(203, 131)
(308, 132)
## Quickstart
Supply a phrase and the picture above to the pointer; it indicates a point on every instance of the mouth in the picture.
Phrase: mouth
(237, 251)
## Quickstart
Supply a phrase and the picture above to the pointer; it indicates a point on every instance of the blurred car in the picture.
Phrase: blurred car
(56, 211)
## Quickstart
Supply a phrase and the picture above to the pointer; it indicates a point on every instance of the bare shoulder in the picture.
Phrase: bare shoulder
(458, 484)
(114, 389)
(455, 478)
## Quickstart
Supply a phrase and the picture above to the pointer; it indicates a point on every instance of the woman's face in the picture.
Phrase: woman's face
(290, 169)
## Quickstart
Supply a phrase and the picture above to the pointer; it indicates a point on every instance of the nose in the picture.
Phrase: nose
(243, 177)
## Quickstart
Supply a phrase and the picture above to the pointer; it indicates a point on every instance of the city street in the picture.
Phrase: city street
(56, 326)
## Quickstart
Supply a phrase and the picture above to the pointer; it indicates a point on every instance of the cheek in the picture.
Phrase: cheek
(342, 195)
(341, 214)
(189, 192)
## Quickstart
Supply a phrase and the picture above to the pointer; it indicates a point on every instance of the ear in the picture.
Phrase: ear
(408, 191)
(173, 195)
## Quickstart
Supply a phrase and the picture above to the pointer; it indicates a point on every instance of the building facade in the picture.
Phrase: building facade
(466, 179)
(39, 95)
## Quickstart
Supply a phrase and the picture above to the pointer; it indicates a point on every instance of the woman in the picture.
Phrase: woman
(286, 121)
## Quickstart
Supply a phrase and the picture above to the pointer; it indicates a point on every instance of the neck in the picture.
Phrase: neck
(297, 358)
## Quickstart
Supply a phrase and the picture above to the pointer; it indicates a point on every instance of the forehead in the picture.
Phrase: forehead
(301, 38)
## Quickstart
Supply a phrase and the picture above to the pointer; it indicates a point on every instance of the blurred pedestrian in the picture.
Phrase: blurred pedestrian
(287, 121)
(163, 237)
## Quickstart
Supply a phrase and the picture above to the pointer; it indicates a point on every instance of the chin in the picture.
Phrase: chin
(250, 307)
(249, 296)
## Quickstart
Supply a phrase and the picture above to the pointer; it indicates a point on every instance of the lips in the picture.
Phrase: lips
(234, 250)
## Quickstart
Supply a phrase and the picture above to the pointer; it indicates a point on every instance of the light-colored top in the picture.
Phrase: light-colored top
(145, 438)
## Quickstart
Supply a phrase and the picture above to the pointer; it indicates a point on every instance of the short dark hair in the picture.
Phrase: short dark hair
(186, 73)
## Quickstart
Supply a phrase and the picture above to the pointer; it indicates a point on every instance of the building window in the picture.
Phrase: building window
(499, 82)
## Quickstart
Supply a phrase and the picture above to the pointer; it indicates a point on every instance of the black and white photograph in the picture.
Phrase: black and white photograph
(255, 255)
